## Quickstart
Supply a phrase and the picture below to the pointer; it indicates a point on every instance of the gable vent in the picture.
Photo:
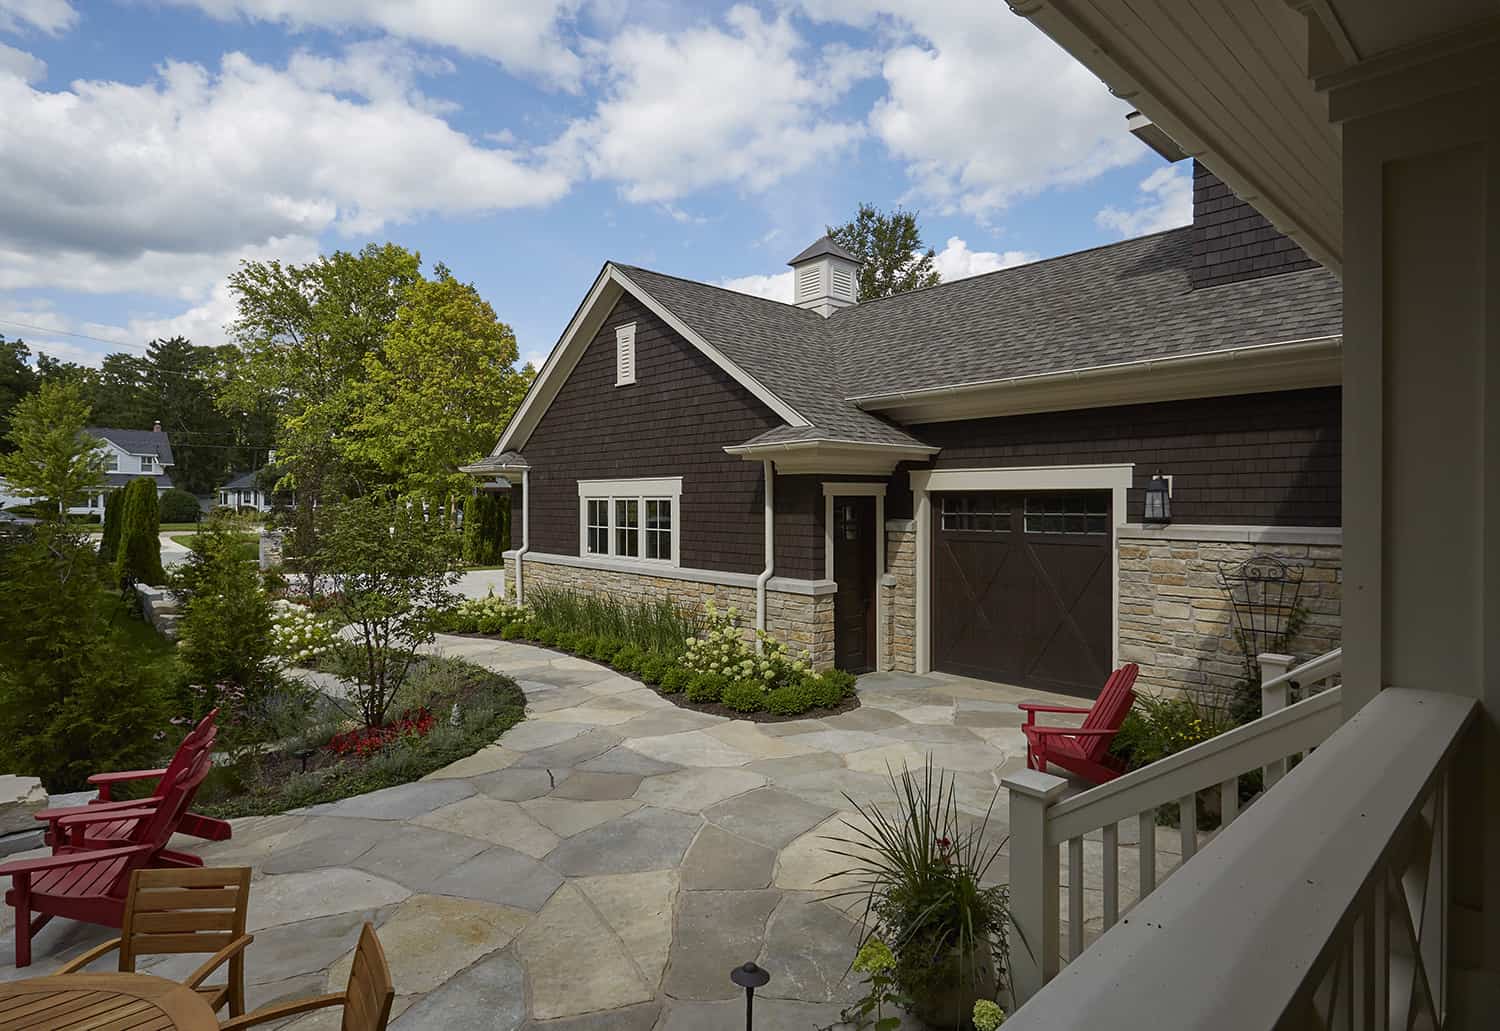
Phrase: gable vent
(625, 354)
(808, 280)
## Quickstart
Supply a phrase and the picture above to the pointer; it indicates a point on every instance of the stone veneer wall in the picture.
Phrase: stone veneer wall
(1177, 622)
(803, 621)
(901, 595)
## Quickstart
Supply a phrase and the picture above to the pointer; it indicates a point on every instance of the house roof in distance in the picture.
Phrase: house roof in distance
(825, 245)
(136, 442)
(244, 481)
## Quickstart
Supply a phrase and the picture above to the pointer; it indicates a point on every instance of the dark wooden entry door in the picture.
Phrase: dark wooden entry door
(854, 571)
(1021, 588)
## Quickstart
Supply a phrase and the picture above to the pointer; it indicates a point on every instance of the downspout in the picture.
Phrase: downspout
(525, 530)
(769, 471)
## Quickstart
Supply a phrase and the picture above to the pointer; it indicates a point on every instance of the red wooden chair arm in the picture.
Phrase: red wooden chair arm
(31, 866)
(1070, 732)
(103, 781)
(1039, 707)
(85, 818)
(218, 959)
(50, 815)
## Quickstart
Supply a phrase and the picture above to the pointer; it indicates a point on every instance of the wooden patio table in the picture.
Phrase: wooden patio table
(103, 1002)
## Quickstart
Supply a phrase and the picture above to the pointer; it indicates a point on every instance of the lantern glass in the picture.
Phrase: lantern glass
(1158, 501)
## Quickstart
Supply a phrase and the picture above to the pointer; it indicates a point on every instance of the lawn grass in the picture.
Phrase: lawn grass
(96, 529)
(247, 549)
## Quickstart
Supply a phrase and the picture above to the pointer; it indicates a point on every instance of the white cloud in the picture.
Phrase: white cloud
(981, 106)
(777, 286)
(50, 16)
(711, 106)
(22, 65)
(525, 37)
(957, 261)
(1168, 202)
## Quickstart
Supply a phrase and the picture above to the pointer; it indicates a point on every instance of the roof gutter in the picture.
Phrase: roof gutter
(1291, 349)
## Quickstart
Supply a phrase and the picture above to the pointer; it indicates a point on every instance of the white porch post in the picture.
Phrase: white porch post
(1034, 938)
(1273, 699)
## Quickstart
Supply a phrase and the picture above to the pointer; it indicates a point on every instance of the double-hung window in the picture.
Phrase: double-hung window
(634, 519)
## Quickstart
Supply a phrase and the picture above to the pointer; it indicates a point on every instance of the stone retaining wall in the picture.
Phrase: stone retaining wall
(1177, 621)
(802, 621)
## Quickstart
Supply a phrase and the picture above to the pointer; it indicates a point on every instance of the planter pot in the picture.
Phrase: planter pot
(950, 1003)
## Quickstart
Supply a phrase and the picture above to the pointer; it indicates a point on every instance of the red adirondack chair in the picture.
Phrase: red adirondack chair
(105, 835)
(90, 884)
(1085, 749)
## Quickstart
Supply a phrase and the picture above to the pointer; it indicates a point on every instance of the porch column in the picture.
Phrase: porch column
(1421, 499)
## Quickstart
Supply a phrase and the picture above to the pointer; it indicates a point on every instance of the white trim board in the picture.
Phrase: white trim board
(643, 489)
(608, 287)
(778, 584)
(833, 490)
(1115, 478)
(1330, 536)
(656, 486)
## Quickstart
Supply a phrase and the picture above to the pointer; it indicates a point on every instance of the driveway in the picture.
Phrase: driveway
(606, 863)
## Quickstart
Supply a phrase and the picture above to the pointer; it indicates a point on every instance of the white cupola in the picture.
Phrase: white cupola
(826, 278)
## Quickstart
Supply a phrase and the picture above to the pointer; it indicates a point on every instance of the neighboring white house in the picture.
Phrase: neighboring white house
(244, 492)
(128, 455)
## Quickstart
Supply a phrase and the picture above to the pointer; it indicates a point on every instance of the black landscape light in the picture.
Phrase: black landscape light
(749, 977)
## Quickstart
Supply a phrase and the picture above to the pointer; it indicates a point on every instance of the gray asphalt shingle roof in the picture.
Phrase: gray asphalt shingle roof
(1122, 302)
(244, 481)
(136, 442)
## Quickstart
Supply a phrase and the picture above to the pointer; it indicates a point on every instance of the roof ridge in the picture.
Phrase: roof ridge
(719, 287)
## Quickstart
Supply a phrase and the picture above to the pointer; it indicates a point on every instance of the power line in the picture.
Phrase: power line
(69, 333)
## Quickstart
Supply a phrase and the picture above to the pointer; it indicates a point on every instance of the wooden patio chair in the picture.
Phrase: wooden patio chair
(114, 833)
(186, 911)
(1084, 750)
(366, 999)
(90, 884)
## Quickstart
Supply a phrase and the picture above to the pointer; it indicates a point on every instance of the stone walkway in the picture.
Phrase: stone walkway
(605, 864)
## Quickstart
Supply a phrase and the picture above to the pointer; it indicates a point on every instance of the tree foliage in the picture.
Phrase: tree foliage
(109, 541)
(54, 460)
(440, 391)
(17, 379)
(178, 506)
(486, 528)
(225, 631)
(138, 558)
(890, 245)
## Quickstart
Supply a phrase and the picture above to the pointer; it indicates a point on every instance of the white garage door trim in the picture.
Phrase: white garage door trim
(1114, 478)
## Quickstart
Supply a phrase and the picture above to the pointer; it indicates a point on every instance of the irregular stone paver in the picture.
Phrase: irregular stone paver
(914, 756)
(777, 770)
(320, 842)
(533, 734)
(416, 856)
(301, 896)
(768, 816)
(810, 864)
(834, 788)
(503, 876)
(490, 994)
(486, 760)
(284, 952)
(720, 860)
(586, 786)
(694, 790)
(638, 908)
(770, 1015)
(748, 737)
(402, 802)
(630, 1018)
(842, 742)
(429, 938)
(490, 820)
(598, 714)
(865, 718)
(647, 839)
(577, 964)
(572, 751)
(566, 817)
(691, 748)
(515, 785)
(668, 721)
(621, 759)
(807, 950)
(715, 931)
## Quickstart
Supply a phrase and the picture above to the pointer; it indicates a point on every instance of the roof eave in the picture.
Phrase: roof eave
(830, 456)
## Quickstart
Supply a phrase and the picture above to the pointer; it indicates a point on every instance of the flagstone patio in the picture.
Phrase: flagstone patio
(602, 866)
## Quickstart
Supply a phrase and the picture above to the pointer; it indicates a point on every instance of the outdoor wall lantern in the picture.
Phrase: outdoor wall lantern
(1158, 500)
(749, 977)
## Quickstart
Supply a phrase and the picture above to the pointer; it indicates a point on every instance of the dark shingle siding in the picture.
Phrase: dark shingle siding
(1234, 242)
(675, 420)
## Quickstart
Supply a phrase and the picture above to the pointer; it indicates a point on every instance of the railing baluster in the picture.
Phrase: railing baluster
(1111, 875)
(1075, 897)
(1187, 825)
(1229, 801)
(1380, 969)
(1147, 847)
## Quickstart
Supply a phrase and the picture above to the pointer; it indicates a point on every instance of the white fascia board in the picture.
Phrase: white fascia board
(647, 486)
(1113, 476)
(1290, 365)
(749, 382)
(607, 288)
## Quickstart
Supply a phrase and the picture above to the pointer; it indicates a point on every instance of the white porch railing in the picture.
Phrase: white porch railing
(1324, 905)
(1041, 821)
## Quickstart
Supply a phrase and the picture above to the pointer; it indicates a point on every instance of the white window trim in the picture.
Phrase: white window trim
(833, 490)
(625, 347)
(642, 490)
(1115, 478)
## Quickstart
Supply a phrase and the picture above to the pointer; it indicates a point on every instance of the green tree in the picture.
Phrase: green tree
(486, 517)
(225, 632)
(109, 541)
(138, 559)
(392, 572)
(17, 379)
(440, 391)
(890, 245)
(54, 460)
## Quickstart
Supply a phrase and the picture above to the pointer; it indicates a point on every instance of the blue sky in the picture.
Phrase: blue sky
(148, 145)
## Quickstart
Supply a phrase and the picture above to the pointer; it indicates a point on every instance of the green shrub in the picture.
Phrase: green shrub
(654, 667)
(545, 636)
(722, 648)
(1158, 726)
(138, 559)
(628, 659)
(829, 688)
(658, 625)
(604, 649)
(705, 687)
(109, 543)
(791, 699)
(745, 696)
(484, 529)
(178, 506)
(673, 680)
(514, 629)
(578, 644)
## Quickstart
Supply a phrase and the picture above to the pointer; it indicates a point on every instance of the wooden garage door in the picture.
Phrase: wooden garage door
(1021, 588)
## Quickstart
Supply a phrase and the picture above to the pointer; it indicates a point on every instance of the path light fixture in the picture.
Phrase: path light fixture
(749, 977)
(1158, 500)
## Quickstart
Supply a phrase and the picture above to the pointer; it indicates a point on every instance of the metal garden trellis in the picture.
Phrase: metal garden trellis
(1265, 594)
